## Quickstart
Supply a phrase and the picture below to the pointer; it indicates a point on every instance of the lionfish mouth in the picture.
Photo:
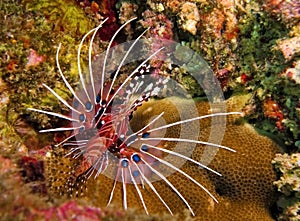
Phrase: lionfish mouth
(105, 103)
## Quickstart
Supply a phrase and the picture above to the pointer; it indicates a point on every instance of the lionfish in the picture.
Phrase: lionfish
(102, 109)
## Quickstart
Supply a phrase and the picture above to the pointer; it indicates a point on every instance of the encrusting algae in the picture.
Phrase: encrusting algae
(244, 191)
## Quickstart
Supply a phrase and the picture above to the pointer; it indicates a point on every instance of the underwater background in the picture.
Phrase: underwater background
(252, 47)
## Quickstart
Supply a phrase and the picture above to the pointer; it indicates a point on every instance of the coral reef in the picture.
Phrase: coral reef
(73, 19)
(244, 191)
(289, 185)
(289, 47)
(17, 202)
(251, 46)
(293, 73)
(160, 25)
(286, 10)
(189, 17)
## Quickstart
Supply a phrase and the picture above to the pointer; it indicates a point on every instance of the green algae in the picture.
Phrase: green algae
(27, 28)
(260, 59)
(10, 142)
(65, 15)
(258, 35)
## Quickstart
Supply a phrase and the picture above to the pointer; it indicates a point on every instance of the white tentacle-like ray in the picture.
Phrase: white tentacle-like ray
(153, 188)
(123, 60)
(113, 189)
(89, 172)
(72, 150)
(107, 51)
(60, 129)
(54, 114)
(184, 157)
(77, 142)
(65, 140)
(124, 189)
(64, 79)
(182, 172)
(170, 185)
(78, 61)
(188, 141)
(90, 52)
(61, 99)
(100, 170)
(138, 191)
(193, 119)
(74, 144)
(95, 165)
(90, 59)
(126, 80)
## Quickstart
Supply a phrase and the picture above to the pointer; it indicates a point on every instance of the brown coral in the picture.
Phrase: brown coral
(244, 191)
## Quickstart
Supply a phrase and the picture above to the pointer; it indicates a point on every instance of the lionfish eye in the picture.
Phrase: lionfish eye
(124, 163)
(136, 158)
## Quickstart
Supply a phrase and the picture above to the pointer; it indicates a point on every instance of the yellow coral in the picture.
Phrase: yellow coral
(189, 17)
(244, 192)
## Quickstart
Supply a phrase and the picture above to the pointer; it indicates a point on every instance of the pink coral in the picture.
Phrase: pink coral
(293, 73)
(160, 25)
(34, 59)
(288, 10)
(289, 47)
(103, 9)
(68, 211)
(107, 9)
(160, 28)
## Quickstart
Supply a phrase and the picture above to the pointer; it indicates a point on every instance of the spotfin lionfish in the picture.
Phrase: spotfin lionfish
(104, 106)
